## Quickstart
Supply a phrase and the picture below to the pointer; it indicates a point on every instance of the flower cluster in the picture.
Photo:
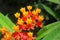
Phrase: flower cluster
(29, 19)
(5, 34)
(16, 35)
(26, 20)
(23, 36)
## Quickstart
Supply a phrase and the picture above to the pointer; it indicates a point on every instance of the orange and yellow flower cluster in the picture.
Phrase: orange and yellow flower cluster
(27, 20)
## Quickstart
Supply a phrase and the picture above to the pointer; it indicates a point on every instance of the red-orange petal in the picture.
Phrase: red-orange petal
(34, 17)
(30, 26)
(29, 13)
(39, 24)
(24, 18)
(22, 27)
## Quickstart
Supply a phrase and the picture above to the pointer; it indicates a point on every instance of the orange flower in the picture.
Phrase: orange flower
(3, 30)
(16, 28)
(8, 36)
(40, 18)
(28, 20)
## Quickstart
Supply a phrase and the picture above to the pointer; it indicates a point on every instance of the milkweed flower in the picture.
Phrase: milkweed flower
(25, 14)
(17, 15)
(15, 28)
(29, 20)
(23, 35)
(22, 9)
(3, 30)
(20, 22)
(8, 36)
(38, 10)
(29, 7)
(5, 34)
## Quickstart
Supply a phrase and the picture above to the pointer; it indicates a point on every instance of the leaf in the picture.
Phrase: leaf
(6, 22)
(55, 1)
(47, 29)
(5, 25)
(53, 35)
(51, 12)
(10, 23)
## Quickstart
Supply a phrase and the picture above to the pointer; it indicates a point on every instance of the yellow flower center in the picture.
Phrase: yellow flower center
(20, 21)
(29, 21)
(30, 34)
(16, 28)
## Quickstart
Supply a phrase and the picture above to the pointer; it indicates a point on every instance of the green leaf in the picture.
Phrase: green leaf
(55, 1)
(10, 23)
(53, 35)
(5, 25)
(47, 29)
(6, 22)
(51, 12)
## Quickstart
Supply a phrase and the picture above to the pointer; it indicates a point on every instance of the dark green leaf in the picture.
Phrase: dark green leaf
(51, 12)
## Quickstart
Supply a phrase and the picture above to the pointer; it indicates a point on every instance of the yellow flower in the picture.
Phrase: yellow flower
(29, 21)
(38, 10)
(22, 9)
(16, 28)
(3, 30)
(30, 34)
(40, 18)
(34, 12)
(17, 15)
(20, 22)
(25, 14)
(29, 7)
